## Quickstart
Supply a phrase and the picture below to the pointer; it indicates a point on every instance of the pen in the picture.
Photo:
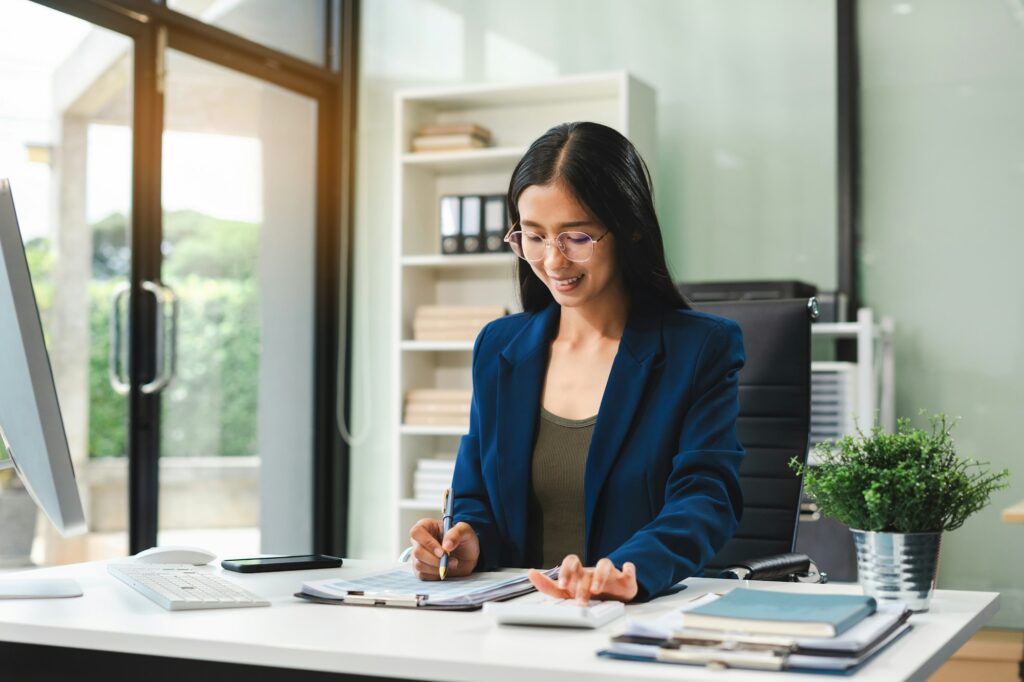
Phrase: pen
(446, 525)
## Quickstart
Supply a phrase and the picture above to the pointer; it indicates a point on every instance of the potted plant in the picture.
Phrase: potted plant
(897, 492)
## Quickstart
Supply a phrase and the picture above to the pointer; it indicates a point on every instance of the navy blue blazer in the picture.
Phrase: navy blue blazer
(661, 483)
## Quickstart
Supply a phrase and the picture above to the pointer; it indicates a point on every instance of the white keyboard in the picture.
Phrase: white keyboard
(180, 587)
(555, 612)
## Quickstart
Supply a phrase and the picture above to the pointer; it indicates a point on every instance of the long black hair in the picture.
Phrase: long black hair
(605, 173)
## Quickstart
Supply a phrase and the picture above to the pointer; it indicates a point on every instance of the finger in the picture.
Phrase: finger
(602, 572)
(455, 536)
(546, 585)
(583, 588)
(424, 555)
(426, 534)
(568, 574)
(626, 586)
(425, 571)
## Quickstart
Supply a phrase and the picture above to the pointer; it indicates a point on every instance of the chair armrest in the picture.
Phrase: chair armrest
(790, 567)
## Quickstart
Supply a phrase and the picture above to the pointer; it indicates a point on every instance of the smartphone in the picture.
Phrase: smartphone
(281, 563)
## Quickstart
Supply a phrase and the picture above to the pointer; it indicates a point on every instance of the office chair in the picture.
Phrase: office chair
(773, 426)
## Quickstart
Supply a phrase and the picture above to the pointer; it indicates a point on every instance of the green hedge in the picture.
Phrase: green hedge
(210, 408)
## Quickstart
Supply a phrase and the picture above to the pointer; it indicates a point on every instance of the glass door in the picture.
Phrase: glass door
(236, 389)
(177, 213)
(66, 125)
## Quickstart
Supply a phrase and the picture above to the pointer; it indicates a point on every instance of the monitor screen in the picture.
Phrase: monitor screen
(30, 418)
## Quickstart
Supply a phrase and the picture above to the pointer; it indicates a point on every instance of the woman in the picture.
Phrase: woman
(602, 427)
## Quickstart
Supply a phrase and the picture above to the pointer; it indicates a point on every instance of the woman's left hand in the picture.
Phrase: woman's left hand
(603, 582)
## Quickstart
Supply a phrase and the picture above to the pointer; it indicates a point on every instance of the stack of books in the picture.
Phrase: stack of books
(437, 407)
(447, 137)
(452, 322)
(431, 478)
(766, 630)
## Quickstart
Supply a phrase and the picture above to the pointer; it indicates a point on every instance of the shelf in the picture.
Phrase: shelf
(411, 430)
(588, 86)
(483, 160)
(469, 260)
(515, 113)
(429, 346)
(412, 503)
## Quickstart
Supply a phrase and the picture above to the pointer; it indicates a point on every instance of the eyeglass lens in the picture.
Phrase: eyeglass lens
(576, 246)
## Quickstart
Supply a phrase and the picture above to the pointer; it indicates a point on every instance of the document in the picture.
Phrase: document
(401, 587)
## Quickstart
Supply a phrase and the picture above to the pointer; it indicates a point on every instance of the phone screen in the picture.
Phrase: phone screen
(281, 563)
(279, 560)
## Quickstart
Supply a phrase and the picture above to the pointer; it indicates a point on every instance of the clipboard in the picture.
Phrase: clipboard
(400, 588)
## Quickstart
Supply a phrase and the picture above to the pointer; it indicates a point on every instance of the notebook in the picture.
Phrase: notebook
(746, 658)
(401, 587)
(793, 614)
(660, 640)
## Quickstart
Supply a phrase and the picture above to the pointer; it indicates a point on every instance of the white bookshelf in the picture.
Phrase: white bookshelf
(516, 114)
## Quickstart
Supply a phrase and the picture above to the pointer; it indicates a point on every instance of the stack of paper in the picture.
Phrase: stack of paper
(438, 137)
(431, 479)
(437, 407)
(401, 587)
(765, 631)
(453, 322)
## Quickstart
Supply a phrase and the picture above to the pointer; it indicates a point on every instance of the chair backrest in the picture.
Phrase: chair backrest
(774, 422)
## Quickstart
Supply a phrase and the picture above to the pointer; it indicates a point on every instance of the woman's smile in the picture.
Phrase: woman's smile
(565, 284)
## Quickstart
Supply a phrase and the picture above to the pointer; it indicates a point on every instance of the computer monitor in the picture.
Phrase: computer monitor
(30, 419)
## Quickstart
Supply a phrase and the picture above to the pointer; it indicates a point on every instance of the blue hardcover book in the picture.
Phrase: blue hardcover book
(795, 614)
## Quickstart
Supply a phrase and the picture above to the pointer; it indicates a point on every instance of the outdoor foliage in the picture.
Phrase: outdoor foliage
(905, 482)
(211, 406)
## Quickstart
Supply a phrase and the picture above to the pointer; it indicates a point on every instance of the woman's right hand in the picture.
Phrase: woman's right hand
(428, 547)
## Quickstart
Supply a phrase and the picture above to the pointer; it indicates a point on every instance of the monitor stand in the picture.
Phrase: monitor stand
(38, 588)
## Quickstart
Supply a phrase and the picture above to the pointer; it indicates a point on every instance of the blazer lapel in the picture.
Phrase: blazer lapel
(638, 350)
(523, 366)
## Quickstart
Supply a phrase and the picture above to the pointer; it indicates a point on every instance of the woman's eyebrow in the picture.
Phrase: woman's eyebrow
(572, 223)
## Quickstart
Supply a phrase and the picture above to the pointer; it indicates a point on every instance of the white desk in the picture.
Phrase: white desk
(415, 644)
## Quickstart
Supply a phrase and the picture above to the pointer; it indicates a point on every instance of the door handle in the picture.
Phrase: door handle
(166, 336)
(117, 346)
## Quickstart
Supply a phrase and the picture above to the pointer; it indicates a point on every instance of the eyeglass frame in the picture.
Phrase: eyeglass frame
(557, 241)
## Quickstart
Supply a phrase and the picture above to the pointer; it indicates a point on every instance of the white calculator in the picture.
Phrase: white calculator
(564, 613)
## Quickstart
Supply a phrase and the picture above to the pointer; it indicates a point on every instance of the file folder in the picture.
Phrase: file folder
(401, 588)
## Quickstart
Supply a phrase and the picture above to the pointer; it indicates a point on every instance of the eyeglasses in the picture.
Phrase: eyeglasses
(575, 246)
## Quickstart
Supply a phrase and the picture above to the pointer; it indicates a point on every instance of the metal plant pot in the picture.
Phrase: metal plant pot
(898, 566)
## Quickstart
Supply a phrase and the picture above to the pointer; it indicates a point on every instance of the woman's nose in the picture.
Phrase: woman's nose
(554, 259)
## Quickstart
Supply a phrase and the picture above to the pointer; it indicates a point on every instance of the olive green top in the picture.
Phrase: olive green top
(556, 525)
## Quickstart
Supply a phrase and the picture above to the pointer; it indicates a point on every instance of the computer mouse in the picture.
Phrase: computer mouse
(173, 554)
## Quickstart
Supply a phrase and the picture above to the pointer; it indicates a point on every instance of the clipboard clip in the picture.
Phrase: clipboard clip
(385, 599)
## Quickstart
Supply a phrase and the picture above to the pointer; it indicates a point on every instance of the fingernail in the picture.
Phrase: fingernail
(438, 552)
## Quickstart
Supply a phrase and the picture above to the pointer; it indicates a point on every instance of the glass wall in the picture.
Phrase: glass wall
(239, 179)
(943, 172)
(296, 28)
(65, 144)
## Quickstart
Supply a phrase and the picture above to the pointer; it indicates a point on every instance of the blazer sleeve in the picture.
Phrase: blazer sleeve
(472, 502)
(703, 502)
